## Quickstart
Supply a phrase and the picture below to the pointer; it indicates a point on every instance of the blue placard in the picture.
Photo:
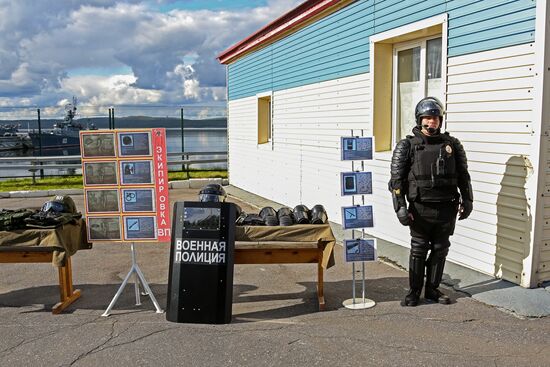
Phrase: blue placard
(134, 144)
(360, 249)
(356, 183)
(136, 172)
(138, 200)
(139, 228)
(357, 216)
(355, 148)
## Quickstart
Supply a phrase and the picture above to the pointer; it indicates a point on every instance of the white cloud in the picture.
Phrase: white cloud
(37, 53)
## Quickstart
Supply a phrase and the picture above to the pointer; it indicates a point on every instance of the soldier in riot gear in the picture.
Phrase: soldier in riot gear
(429, 170)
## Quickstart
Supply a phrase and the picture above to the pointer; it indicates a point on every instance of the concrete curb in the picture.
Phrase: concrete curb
(194, 183)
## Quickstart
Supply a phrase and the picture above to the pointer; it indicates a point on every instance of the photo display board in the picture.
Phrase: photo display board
(360, 249)
(125, 176)
(357, 148)
(356, 183)
(358, 216)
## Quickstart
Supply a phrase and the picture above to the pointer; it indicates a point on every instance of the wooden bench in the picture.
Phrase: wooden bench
(44, 255)
(298, 244)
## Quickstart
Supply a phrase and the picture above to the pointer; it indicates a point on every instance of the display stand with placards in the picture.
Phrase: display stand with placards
(126, 193)
(357, 182)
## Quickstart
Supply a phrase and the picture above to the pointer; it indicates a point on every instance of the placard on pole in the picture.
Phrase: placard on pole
(357, 216)
(125, 176)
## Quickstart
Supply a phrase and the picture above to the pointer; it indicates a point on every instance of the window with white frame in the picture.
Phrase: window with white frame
(264, 119)
(416, 74)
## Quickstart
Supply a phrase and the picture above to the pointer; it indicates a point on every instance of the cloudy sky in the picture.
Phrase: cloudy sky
(107, 52)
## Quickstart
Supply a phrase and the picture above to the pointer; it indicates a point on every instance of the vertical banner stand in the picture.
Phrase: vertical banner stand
(355, 303)
(138, 278)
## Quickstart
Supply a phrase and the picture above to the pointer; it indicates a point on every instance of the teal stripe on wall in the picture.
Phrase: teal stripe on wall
(338, 45)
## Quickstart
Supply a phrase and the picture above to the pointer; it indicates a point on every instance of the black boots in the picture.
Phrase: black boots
(416, 279)
(434, 273)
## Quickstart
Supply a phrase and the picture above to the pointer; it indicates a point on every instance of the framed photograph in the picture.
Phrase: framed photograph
(98, 145)
(357, 216)
(357, 148)
(138, 200)
(360, 249)
(356, 183)
(136, 172)
(140, 228)
(102, 201)
(100, 173)
(133, 144)
(103, 228)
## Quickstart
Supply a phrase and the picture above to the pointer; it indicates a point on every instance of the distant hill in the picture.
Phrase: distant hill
(128, 122)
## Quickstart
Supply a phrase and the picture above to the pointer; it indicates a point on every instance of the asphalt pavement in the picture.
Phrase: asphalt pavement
(275, 318)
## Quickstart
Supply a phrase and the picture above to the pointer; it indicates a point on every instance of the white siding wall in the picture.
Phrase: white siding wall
(304, 164)
(489, 105)
(490, 109)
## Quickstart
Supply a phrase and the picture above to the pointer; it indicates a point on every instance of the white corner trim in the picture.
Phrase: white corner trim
(541, 119)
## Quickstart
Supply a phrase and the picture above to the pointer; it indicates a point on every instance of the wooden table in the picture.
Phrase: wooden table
(297, 244)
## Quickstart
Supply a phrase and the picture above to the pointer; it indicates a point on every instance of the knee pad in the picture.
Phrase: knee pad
(419, 247)
(441, 247)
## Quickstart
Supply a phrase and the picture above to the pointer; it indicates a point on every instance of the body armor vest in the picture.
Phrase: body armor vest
(433, 176)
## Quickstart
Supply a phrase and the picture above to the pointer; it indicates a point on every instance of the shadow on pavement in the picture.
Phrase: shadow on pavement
(249, 301)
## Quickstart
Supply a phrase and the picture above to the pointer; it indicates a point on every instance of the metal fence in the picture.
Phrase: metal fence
(191, 130)
(36, 165)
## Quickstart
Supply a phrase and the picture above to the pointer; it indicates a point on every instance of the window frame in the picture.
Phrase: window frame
(262, 97)
(401, 46)
(381, 74)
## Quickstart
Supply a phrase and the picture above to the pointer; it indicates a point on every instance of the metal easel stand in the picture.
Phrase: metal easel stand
(359, 303)
(138, 278)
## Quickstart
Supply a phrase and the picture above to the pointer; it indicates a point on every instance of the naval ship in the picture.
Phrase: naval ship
(65, 134)
(11, 139)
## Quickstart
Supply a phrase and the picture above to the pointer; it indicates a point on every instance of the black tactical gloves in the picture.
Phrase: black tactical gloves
(403, 216)
(466, 207)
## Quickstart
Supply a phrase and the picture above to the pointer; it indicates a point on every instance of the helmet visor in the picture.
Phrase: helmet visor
(53, 206)
(211, 198)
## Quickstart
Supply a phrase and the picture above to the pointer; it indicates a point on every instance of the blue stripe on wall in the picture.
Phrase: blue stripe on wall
(338, 45)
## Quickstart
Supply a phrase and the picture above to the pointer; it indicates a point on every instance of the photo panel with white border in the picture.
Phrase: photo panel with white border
(104, 228)
(102, 201)
(98, 145)
(356, 183)
(138, 172)
(134, 144)
(102, 173)
(140, 228)
(136, 200)
(360, 249)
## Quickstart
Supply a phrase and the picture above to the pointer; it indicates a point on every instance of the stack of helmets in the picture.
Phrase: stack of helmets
(301, 214)
(269, 215)
(318, 215)
(286, 218)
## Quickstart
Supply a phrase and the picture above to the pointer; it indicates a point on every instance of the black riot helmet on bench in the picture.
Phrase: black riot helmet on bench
(429, 106)
(318, 215)
(212, 193)
(301, 214)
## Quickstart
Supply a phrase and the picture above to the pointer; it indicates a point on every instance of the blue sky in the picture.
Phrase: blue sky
(111, 52)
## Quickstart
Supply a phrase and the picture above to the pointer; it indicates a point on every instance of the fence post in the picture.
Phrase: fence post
(182, 139)
(39, 146)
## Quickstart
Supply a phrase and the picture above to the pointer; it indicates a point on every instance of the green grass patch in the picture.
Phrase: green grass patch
(75, 182)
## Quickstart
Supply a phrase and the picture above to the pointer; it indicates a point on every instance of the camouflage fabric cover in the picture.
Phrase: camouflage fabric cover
(14, 219)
